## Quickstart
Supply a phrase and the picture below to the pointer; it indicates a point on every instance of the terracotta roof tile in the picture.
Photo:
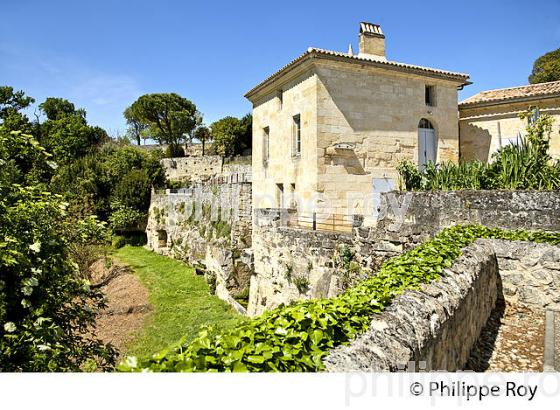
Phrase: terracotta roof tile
(504, 94)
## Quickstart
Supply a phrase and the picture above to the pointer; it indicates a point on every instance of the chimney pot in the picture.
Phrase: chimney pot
(372, 41)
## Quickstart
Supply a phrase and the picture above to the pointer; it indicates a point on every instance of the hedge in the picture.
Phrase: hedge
(299, 336)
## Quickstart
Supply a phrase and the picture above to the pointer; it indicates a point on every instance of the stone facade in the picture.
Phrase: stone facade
(377, 113)
(358, 118)
(434, 327)
(483, 128)
(209, 227)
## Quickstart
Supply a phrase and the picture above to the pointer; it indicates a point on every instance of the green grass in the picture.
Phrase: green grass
(180, 299)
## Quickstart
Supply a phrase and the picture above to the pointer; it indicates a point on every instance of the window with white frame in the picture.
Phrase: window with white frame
(296, 135)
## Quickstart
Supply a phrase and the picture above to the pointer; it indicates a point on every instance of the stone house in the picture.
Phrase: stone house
(329, 128)
(490, 119)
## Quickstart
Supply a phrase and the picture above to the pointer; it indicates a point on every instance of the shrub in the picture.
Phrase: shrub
(132, 239)
(47, 312)
(298, 337)
(124, 218)
(118, 241)
(174, 151)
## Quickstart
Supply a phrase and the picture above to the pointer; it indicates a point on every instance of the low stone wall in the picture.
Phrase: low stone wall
(207, 226)
(435, 327)
(530, 273)
(409, 218)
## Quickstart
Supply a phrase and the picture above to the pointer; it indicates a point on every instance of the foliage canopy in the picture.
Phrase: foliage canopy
(546, 68)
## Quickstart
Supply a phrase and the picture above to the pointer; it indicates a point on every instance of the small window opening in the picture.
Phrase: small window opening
(430, 96)
(297, 135)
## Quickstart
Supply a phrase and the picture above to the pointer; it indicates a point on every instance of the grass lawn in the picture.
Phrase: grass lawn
(180, 299)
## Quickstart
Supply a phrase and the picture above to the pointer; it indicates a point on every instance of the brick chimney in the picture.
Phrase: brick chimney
(372, 41)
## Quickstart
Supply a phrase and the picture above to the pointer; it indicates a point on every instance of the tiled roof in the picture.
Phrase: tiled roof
(370, 60)
(505, 94)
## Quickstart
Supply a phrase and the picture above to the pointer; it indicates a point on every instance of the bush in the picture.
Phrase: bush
(174, 151)
(132, 239)
(118, 241)
(111, 174)
(124, 218)
(299, 336)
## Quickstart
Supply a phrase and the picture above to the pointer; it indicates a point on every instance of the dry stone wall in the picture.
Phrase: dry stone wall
(293, 263)
(192, 169)
(433, 328)
(530, 273)
(409, 218)
(207, 226)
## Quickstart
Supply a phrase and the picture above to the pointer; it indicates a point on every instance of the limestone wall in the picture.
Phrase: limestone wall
(434, 327)
(378, 113)
(207, 226)
(480, 127)
(297, 174)
(292, 264)
(530, 273)
(409, 218)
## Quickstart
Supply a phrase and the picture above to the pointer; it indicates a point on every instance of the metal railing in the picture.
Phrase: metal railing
(327, 222)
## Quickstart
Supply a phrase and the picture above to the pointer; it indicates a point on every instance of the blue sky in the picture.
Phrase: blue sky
(103, 54)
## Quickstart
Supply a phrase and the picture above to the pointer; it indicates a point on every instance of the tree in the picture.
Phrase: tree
(170, 118)
(57, 108)
(11, 101)
(546, 68)
(11, 104)
(245, 140)
(66, 133)
(232, 135)
(136, 128)
(203, 134)
(47, 312)
(226, 133)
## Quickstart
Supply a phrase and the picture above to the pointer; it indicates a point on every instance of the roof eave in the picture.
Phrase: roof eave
(509, 100)
(459, 78)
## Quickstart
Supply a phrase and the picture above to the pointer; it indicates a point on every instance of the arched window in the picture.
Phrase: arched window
(427, 148)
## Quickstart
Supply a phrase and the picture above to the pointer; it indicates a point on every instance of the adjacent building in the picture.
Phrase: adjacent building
(330, 127)
(490, 119)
